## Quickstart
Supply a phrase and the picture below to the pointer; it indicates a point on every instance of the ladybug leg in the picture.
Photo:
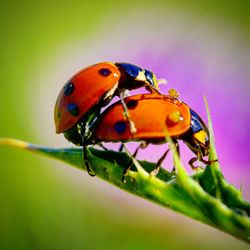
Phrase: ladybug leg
(125, 93)
(86, 161)
(191, 163)
(84, 150)
(177, 146)
(208, 162)
(197, 158)
(126, 169)
(142, 145)
(102, 146)
(159, 162)
(151, 89)
(131, 123)
(193, 160)
(200, 158)
(121, 147)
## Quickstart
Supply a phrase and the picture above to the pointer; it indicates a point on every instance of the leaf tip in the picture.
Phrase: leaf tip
(213, 154)
(14, 143)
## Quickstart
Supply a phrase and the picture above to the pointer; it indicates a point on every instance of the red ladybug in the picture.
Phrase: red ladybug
(92, 88)
(152, 115)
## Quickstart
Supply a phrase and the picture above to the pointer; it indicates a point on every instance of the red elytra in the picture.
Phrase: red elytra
(154, 116)
(84, 92)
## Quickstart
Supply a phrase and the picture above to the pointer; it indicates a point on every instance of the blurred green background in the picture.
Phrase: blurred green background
(46, 204)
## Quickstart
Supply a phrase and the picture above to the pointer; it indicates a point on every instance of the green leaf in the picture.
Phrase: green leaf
(204, 196)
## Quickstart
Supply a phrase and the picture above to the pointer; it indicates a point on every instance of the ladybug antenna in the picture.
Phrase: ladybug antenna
(162, 81)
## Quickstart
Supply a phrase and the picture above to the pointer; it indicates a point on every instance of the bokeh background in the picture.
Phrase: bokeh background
(198, 46)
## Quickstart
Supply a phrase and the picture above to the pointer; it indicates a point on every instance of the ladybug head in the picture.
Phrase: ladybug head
(133, 76)
(151, 79)
(197, 138)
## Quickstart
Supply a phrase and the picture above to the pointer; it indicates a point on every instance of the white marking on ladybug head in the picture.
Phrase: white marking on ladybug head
(141, 77)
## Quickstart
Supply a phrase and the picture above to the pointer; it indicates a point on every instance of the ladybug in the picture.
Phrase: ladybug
(92, 88)
(153, 115)
(166, 114)
(79, 103)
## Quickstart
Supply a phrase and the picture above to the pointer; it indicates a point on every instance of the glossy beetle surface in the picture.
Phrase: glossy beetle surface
(94, 87)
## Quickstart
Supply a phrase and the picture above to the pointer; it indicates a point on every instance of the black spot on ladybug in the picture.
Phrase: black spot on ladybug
(59, 115)
(120, 127)
(104, 72)
(69, 88)
(132, 104)
(73, 109)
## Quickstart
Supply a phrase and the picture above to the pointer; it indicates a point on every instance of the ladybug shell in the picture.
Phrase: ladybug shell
(150, 114)
(82, 92)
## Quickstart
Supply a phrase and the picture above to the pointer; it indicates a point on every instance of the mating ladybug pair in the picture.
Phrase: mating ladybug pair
(145, 117)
